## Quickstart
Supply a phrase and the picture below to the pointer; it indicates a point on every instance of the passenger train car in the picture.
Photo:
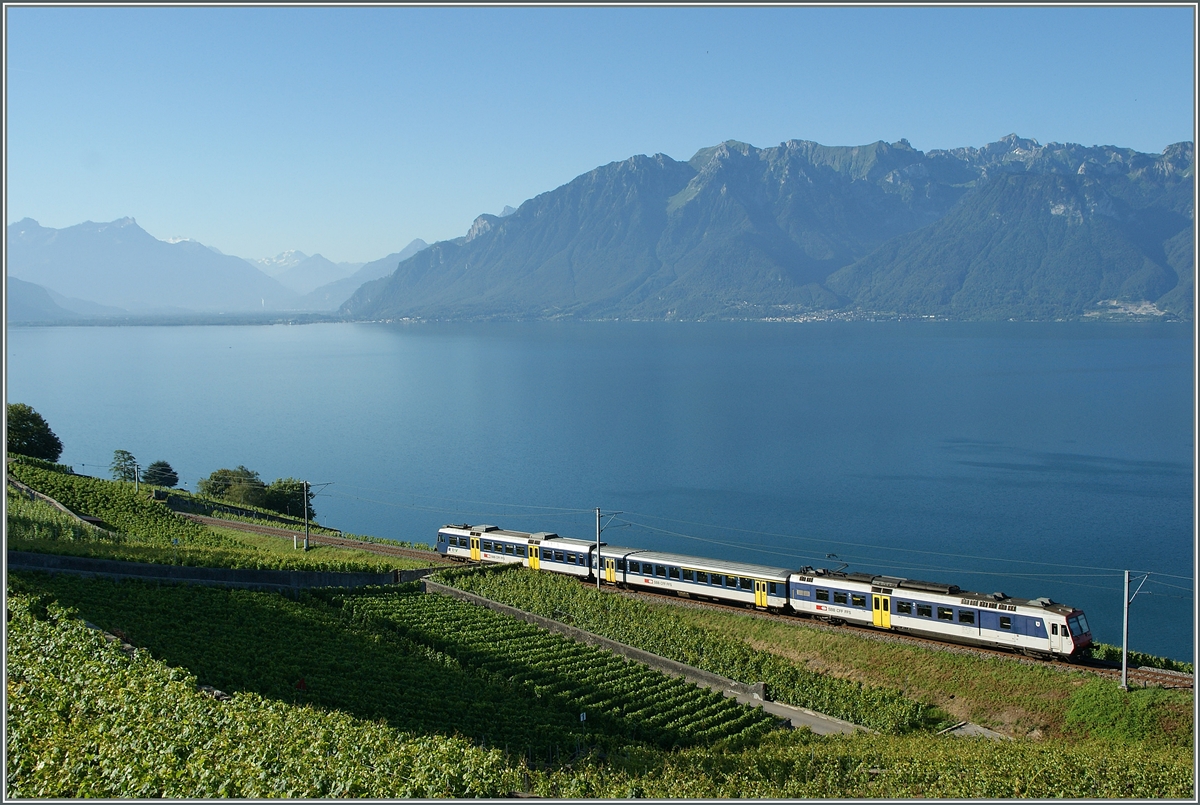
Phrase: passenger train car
(1038, 627)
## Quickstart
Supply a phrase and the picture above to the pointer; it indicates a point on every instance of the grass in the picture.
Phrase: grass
(1014, 697)
(35, 526)
(996, 693)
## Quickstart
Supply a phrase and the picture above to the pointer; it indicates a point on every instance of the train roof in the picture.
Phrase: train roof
(897, 583)
(555, 541)
(489, 530)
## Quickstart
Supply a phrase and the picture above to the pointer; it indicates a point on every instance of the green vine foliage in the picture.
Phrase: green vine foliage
(652, 628)
(86, 719)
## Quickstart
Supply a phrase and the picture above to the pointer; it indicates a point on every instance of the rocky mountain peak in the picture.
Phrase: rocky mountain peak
(481, 226)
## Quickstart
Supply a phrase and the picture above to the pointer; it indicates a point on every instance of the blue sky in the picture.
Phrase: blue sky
(351, 131)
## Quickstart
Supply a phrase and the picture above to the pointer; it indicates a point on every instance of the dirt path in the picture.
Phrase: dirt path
(322, 539)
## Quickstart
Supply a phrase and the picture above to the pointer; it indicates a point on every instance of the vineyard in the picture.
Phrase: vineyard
(385, 713)
(617, 696)
(423, 663)
(138, 529)
(653, 628)
(86, 720)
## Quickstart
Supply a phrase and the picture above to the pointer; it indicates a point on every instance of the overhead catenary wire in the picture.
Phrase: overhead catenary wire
(827, 541)
(893, 565)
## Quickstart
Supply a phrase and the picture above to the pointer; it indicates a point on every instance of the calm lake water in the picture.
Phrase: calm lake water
(1037, 459)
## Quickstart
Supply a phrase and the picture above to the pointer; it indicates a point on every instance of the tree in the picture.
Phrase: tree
(286, 496)
(239, 485)
(124, 466)
(159, 473)
(29, 435)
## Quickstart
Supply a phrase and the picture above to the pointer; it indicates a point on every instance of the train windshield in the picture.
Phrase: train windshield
(1079, 624)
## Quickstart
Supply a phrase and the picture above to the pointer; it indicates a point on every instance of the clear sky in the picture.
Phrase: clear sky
(351, 131)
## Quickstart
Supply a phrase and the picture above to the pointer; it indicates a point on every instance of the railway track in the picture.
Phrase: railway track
(322, 539)
(1147, 677)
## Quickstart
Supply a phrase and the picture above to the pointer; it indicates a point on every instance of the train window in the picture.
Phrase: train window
(858, 600)
(673, 572)
(966, 616)
(620, 564)
(804, 593)
(635, 567)
(1054, 628)
(441, 537)
(508, 550)
(945, 614)
(689, 575)
(1005, 622)
(731, 582)
(559, 557)
(701, 577)
(924, 611)
(486, 545)
(772, 588)
(904, 607)
(660, 571)
(747, 584)
(520, 550)
(822, 595)
(1079, 624)
(840, 598)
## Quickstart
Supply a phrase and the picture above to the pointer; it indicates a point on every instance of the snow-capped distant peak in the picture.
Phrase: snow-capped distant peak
(280, 262)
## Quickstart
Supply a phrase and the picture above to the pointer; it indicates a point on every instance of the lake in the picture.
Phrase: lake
(1039, 459)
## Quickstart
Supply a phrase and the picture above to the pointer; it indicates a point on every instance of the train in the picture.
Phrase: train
(1036, 627)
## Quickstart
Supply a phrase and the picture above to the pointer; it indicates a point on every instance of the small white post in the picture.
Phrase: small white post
(304, 502)
(597, 547)
(1125, 636)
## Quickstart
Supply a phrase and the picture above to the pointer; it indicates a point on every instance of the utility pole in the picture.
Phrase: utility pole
(597, 547)
(305, 503)
(135, 477)
(600, 528)
(1127, 599)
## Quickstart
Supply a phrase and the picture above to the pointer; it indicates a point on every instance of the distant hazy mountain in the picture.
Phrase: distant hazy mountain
(333, 294)
(119, 264)
(26, 302)
(313, 272)
(1014, 229)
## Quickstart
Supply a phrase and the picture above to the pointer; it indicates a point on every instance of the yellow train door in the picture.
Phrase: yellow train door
(881, 611)
(760, 593)
(610, 570)
(535, 560)
(474, 549)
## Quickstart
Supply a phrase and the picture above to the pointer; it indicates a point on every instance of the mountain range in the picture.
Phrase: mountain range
(1015, 229)
(117, 269)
